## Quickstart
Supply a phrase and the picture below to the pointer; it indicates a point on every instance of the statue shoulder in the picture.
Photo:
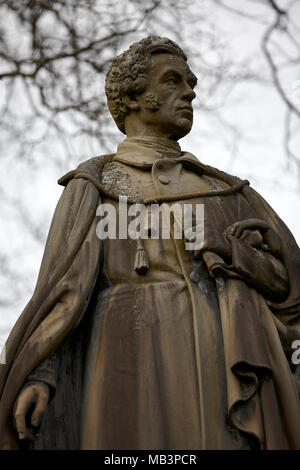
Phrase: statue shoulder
(91, 168)
(221, 176)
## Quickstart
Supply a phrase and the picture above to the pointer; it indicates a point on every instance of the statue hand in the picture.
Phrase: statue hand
(256, 233)
(256, 257)
(36, 395)
(212, 240)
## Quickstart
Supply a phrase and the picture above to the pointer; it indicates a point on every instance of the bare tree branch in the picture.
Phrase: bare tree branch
(274, 70)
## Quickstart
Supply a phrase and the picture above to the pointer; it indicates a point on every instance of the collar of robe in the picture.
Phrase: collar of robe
(142, 152)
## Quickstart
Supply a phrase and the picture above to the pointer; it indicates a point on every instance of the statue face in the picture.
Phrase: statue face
(170, 88)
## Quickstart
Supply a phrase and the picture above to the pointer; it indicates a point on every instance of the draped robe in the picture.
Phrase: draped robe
(164, 360)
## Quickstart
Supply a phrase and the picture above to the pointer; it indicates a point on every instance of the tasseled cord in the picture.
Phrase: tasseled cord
(141, 264)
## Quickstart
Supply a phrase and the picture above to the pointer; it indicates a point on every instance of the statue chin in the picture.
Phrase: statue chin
(177, 129)
(183, 129)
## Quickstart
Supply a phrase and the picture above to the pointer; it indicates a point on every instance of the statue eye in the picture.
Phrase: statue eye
(172, 79)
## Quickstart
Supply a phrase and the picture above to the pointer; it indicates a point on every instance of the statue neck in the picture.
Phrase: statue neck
(166, 147)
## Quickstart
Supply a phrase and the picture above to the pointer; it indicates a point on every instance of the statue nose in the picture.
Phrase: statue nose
(193, 95)
(189, 94)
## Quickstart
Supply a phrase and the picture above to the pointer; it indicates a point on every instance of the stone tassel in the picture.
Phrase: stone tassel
(141, 264)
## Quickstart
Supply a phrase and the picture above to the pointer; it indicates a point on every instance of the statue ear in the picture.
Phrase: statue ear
(131, 103)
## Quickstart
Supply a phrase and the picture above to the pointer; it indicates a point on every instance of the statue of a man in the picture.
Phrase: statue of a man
(141, 343)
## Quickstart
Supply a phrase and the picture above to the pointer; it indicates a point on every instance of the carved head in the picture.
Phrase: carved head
(133, 73)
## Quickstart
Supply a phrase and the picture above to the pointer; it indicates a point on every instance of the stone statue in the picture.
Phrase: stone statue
(131, 343)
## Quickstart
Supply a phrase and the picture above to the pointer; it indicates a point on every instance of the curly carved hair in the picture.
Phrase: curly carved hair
(127, 74)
